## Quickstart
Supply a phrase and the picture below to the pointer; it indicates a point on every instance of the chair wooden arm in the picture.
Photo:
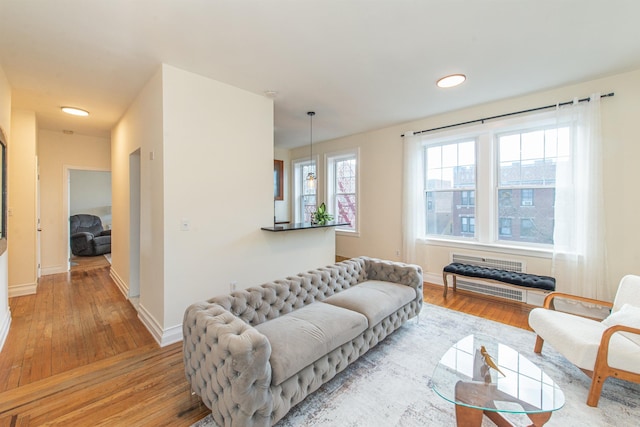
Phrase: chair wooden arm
(602, 370)
(548, 300)
(608, 333)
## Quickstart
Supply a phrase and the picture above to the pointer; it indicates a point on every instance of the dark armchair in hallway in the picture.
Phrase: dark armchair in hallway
(88, 238)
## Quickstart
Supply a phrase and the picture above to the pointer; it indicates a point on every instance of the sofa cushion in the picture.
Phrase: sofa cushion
(374, 298)
(303, 336)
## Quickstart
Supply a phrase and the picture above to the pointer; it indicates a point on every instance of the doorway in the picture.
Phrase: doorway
(88, 191)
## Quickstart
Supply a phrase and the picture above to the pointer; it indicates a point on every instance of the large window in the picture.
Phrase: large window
(342, 188)
(496, 184)
(451, 183)
(527, 171)
(304, 196)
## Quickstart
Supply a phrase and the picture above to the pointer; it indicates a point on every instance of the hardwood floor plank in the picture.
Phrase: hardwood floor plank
(492, 308)
(101, 366)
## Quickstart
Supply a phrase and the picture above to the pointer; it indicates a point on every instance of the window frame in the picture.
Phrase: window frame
(330, 160)
(486, 196)
(298, 182)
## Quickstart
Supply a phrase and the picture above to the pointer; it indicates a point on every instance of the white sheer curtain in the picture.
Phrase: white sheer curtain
(579, 258)
(412, 196)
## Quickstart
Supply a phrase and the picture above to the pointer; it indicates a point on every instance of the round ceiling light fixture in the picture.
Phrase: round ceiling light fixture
(451, 80)
(75, 111)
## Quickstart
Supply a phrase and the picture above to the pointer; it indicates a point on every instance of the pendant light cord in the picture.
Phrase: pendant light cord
(311, 114)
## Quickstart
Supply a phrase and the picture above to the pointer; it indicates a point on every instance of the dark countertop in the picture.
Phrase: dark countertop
(302, 226)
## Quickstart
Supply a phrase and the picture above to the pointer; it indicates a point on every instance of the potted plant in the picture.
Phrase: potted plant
(321, 216)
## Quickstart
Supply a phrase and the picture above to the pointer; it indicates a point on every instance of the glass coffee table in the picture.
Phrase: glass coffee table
(463, 377)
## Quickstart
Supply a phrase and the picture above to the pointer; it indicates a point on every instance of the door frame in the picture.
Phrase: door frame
(66, 184)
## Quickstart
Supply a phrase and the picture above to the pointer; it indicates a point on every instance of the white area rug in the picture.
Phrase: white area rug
(389, 385)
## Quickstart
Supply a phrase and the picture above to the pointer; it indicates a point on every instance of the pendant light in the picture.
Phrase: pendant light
(311, 177)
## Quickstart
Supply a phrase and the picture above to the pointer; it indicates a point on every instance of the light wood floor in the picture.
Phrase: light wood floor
(77, 355)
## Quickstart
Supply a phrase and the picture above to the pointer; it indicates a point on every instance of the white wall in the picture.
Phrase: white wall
(90, 193)
(381, 177)
(21, 190)
(5, 125)
(218, 175)
(141, 128)
(213, 163)
(58, 153)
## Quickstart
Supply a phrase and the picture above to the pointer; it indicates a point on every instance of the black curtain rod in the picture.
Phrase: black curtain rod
(508, 114)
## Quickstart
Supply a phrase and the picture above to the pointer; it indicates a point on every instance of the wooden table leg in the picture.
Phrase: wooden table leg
(477, 394)
(468, 417)
(539, 419)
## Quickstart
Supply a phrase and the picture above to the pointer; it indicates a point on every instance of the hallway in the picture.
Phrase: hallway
(75, 319)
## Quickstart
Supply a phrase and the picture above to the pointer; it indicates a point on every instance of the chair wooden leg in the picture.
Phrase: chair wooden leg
(597, 381)
(538, 347)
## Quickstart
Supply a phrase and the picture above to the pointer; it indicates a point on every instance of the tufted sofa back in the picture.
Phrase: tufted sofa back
(258, 304)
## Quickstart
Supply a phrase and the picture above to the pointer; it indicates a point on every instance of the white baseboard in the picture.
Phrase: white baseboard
(434, 278)
(56, 269)
(163, 337)
(124, 288)
(171, 335)
(22, 290)
(4, 327)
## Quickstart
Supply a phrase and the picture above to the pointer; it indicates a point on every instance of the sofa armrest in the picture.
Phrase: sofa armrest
(81, 242)
(82, 235)
(396, 272)
(227, 364)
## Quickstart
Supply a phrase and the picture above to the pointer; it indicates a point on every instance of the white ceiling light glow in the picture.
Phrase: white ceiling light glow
(75, 111)
(452, 80)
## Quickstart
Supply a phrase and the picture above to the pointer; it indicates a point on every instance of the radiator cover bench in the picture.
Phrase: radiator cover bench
(492, 274)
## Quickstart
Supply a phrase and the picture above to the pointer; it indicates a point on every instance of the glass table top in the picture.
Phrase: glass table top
(463, 377)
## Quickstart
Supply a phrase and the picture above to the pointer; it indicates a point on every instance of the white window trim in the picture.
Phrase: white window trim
(295, 164)
(329, 158)
(487, 237)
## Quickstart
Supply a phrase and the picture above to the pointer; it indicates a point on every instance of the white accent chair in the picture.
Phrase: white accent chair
(601, 349)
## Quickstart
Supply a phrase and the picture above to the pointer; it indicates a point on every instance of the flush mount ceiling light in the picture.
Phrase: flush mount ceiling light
(75, 111)
(452, 80)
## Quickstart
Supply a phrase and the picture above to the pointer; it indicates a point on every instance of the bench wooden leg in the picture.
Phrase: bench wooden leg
(446, 286)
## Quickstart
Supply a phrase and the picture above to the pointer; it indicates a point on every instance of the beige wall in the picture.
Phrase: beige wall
(22, 223)
(5, 125)
(212, 167)
(381, 177)
(58, 153)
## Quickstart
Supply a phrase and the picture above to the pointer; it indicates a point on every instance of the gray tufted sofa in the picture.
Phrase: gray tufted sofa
(254, 354)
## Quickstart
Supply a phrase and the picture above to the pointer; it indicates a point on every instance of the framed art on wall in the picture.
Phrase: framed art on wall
(278, 178)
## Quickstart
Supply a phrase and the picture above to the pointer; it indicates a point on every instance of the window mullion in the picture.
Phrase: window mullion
(485, 184)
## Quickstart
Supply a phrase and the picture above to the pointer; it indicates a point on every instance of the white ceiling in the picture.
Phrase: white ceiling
(360, 64)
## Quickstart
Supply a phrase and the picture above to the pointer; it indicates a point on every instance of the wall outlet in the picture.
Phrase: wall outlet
(397, 252)
(185, 225)
(232, 286)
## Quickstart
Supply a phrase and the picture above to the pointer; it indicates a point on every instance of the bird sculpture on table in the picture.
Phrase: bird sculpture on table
(489, 360)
